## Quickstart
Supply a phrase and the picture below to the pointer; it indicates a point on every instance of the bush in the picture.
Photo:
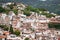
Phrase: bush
(27, 12)
(54, 25)
(2, 9)
(17, 32)
(48, 15)
(4, 27)
(15, 11)
(42, 9)
(35, 9)
(32, 9)
(1, 26)
(26, 38)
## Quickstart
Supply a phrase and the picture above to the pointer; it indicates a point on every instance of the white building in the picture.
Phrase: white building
(13, 37)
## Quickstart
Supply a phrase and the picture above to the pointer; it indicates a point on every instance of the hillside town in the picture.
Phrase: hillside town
(22, 27)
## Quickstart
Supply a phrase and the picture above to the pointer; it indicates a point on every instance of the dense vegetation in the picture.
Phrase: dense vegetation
(3, 10)
(9, 8)
(48, 15)
(54, 25)
(26, 11)
(12, 8)
(4, 27)
(15, 11)
(37, 10)
(16, 32)
(30, 8)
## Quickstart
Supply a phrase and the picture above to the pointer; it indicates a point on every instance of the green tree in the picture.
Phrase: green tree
(17, 32)
(27, 39)
(11, 29)
(6, 28)
(54, 25)
(35, 9)
(27, 12)
(15, 11)
(1, 26)
(32, 9)
(42, 9)
(2, 9)
(48, 15)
